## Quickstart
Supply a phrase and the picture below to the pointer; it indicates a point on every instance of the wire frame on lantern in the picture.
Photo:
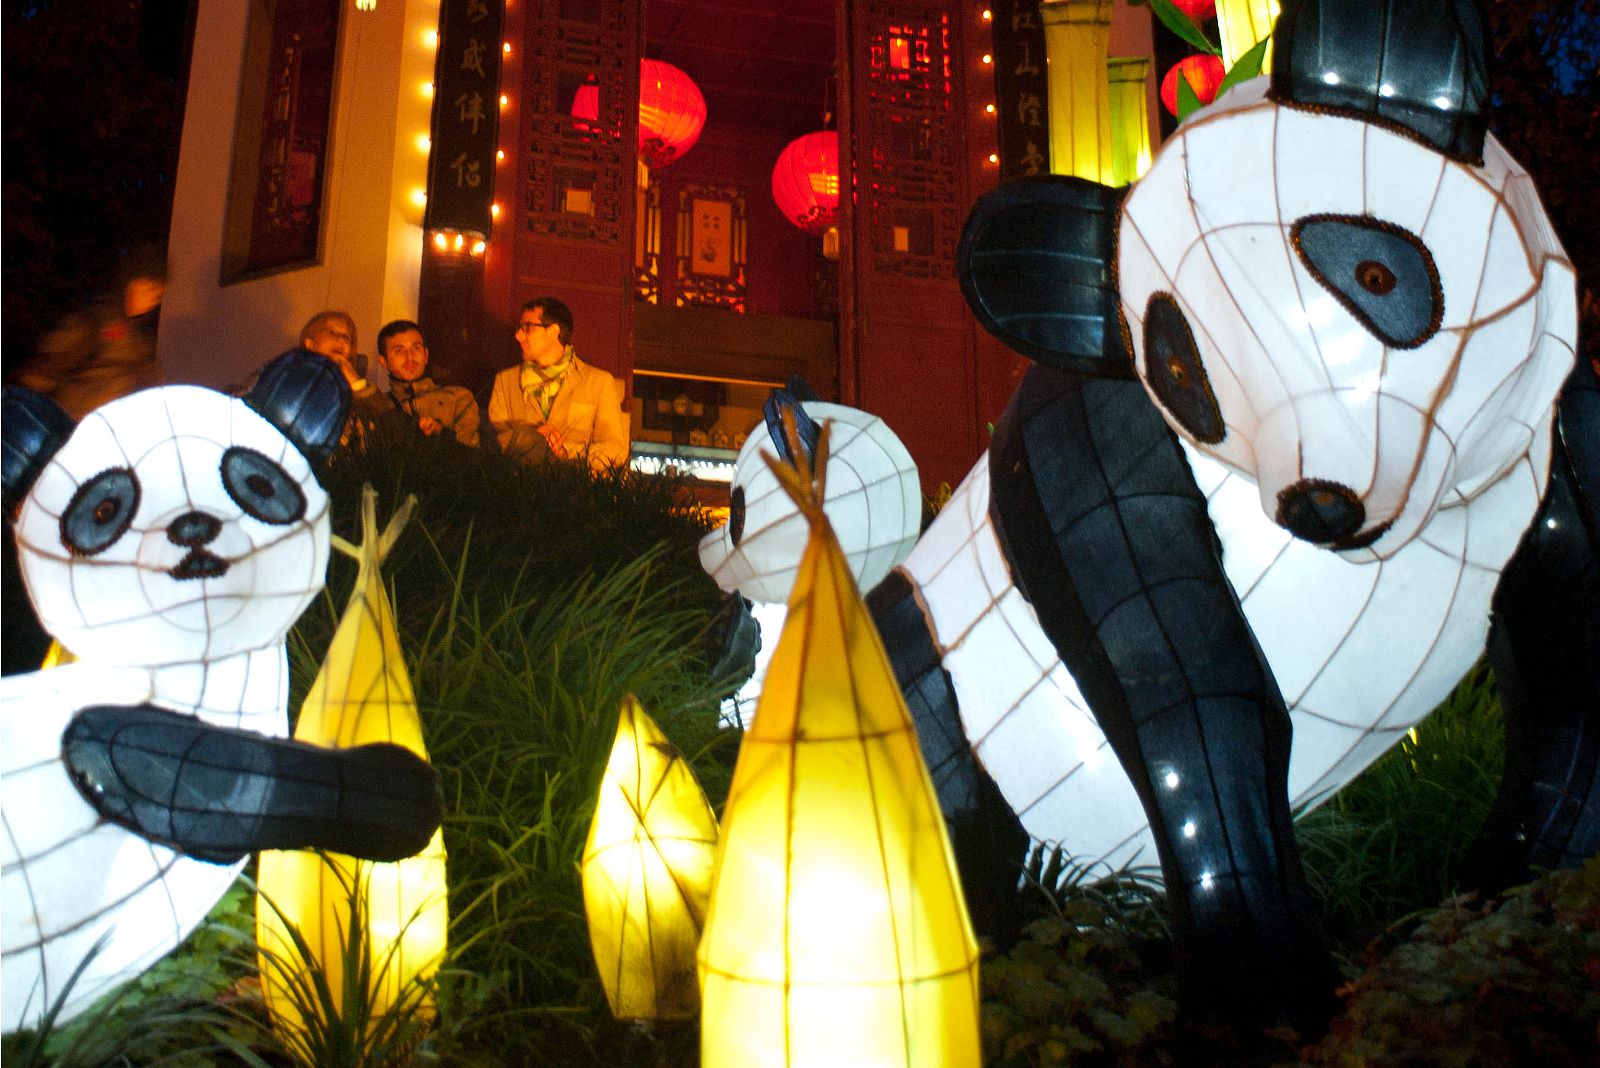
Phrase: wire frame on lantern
(647, 873)
(837, 931)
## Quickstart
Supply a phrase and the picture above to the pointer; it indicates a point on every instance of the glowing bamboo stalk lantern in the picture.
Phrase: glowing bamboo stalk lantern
(1242, 24)
(647, 873)
(1130, 118)
(837, 932)
(1075, 35)
(362, 694)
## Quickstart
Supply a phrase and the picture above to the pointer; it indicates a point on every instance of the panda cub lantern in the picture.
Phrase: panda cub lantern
(1291, 417)
(169, 541)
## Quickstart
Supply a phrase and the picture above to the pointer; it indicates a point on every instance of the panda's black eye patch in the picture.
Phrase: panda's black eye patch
(262, 488)
(736, 515)
(100, 512)
(1382, 273)
(1174, 370)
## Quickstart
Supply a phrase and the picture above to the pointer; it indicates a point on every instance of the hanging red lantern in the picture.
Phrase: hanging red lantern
(1204, 74)
(671, 111)
(1197, 10)
(805, 181)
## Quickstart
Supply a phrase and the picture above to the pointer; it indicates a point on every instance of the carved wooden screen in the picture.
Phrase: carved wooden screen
(917, 141)
(575, 194)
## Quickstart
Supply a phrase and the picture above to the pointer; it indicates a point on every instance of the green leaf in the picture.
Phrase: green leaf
(1188, 103)
(1249, 66)
(1181, 25)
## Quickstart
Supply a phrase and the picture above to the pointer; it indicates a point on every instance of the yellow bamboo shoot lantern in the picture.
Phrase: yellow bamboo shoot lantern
(1130, 118)
(362, 694)
(1242, 24)
(837, 932)
(55, 656)
(647, 873)
(1076, 33)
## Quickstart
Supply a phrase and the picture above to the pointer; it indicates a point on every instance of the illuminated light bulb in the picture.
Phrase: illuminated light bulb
(460, 242)
(366, 5)
(430, 38)
(478, 247)
(1386, 90)
(987, 14)
(1330, 78)
(1442, 103)
(994, 157)
(504, 100)
(439, 241)
(1189, 829)
(1172, 780)
(419, 197)
(500, 154)
(506, 48)
(989, 108)
(424, 142)
(427, 90)
(987, 58)
(494, 211)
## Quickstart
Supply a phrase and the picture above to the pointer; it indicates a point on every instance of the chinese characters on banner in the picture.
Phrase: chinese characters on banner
(466, 116)
(1020, 88)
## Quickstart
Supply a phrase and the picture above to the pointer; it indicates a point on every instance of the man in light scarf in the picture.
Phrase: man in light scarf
(575, 408)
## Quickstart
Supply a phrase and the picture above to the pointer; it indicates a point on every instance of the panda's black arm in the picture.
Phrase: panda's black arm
(217, 793)
(1110, 540)
(1544, 644)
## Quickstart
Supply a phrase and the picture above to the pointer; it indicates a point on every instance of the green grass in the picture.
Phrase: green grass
(1392, 841)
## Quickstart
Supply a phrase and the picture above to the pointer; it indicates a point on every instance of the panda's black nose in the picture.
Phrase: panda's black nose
(1318, 511)
(193, 528)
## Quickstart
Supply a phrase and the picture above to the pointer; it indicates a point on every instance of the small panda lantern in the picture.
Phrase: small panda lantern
(169, 541)
(1290, 418)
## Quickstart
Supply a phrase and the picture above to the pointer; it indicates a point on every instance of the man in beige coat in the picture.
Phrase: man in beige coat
(574, 409)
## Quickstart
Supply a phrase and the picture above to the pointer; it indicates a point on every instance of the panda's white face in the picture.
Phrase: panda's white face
(874, 503)
(1366, 329)
(176, 524)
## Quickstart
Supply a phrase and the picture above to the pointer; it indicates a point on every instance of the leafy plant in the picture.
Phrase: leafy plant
(1088, 982)
(1514, 981)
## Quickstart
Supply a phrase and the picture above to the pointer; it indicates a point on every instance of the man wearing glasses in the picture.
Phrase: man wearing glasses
(554, 402)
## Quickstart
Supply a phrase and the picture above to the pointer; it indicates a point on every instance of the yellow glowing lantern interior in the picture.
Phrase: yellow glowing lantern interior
(362, 694)
(647, 873)
(1076, 33)
(837, 932)
(1242, 24)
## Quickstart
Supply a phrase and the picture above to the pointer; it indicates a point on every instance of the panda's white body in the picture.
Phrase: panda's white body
(1415, 623)
(208, 646)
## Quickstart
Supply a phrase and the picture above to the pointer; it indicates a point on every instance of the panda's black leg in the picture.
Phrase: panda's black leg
(989, 841)
(1109, 538)
(218, 794)
(1545, 650)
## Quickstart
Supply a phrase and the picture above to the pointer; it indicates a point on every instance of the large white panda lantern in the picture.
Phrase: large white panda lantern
(169, 541)
(1291, 416)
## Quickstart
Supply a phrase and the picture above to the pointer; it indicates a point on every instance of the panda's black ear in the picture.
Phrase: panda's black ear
(33, 428)
(1037, 264)
(1417, 66)
(792, 396)
(305, 396)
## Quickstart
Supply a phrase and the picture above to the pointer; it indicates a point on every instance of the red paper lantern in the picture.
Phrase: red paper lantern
(1197, 10)
(1204, 74)
(805, 181)
(671, 111)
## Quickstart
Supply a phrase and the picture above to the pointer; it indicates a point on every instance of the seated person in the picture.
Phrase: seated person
(553, 403)
(332, 333)
(432, 408)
